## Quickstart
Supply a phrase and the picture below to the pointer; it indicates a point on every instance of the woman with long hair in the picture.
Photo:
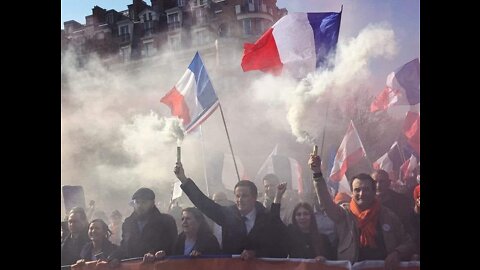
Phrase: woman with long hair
(99, 247)
(304, 240)
(196, 238)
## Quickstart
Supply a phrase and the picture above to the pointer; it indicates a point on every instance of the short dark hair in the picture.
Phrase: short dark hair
(382, 173)
(363, 177)
(80, 211)
(271, 177)
(249, 184)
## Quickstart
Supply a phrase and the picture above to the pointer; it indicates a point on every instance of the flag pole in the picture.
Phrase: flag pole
(204, 163)
(229, 143)
(402, 156)
(401, 152)
(366, 157)
(324, 128)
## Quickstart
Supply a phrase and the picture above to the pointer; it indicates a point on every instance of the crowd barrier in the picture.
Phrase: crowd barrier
(235, 263)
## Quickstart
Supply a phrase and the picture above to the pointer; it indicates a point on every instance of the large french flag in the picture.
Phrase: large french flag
(350, 152)
(402, 87)
(297, 43)
(193, 98)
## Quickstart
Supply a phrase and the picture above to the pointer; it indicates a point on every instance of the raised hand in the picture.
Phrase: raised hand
(314, 162)
(281, 188)
(179, 172)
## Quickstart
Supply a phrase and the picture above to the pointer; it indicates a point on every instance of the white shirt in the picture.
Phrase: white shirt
(189, 245)
(250, 219)
(217, 231)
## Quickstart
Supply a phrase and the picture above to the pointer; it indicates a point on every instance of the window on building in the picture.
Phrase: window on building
(125, 54)
(150, 16)
(200, 14)
(173, 18)
(251, 5)
(124, 33)
(124, 29)
(247, 26)
(145, 17)
(223, 30)
(110, 18)
(201, 37)
(148, 27)
(180, 3)
(149, 49)
(174, 42)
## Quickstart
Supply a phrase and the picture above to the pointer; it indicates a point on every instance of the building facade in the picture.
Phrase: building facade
(180, 27)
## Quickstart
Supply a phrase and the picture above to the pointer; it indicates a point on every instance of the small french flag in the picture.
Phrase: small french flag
(193, 98)
(402, 88)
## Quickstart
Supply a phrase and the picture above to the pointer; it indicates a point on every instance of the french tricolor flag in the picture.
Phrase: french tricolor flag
(193, 98)
(286, 168)
(402, 87)
(298, 43)
(350, 152)
(390, 161)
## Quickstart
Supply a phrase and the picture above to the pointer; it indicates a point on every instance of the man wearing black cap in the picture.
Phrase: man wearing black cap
(146, 230)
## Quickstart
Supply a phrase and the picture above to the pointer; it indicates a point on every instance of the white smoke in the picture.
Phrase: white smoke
(350, 71)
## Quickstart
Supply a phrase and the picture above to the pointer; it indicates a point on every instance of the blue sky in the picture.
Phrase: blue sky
(78, 9)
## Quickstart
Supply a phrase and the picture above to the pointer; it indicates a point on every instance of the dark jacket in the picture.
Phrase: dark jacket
(401, 206)
(301, 245)
(415, 219)
(158, 234)
(71, 248)
(265, 238)
(206, 244)
(107, 249)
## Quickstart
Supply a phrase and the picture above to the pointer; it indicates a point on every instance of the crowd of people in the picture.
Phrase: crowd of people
(373, 223)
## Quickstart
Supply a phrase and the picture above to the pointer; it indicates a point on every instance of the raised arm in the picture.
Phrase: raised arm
(275, 207)
(334, 211)
(200, 200)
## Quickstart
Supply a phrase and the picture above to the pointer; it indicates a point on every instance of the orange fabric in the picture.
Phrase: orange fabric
(416, 192)
(367, 221)
(342, 197)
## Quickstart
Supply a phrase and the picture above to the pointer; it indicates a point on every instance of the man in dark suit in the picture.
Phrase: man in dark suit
(247, 229)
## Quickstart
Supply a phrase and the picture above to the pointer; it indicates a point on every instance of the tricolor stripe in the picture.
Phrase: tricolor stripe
(390, 161)
(193, 98)
(351, 150)
(411, 130)
(286, 168)
(298, 43)
(402, 87)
